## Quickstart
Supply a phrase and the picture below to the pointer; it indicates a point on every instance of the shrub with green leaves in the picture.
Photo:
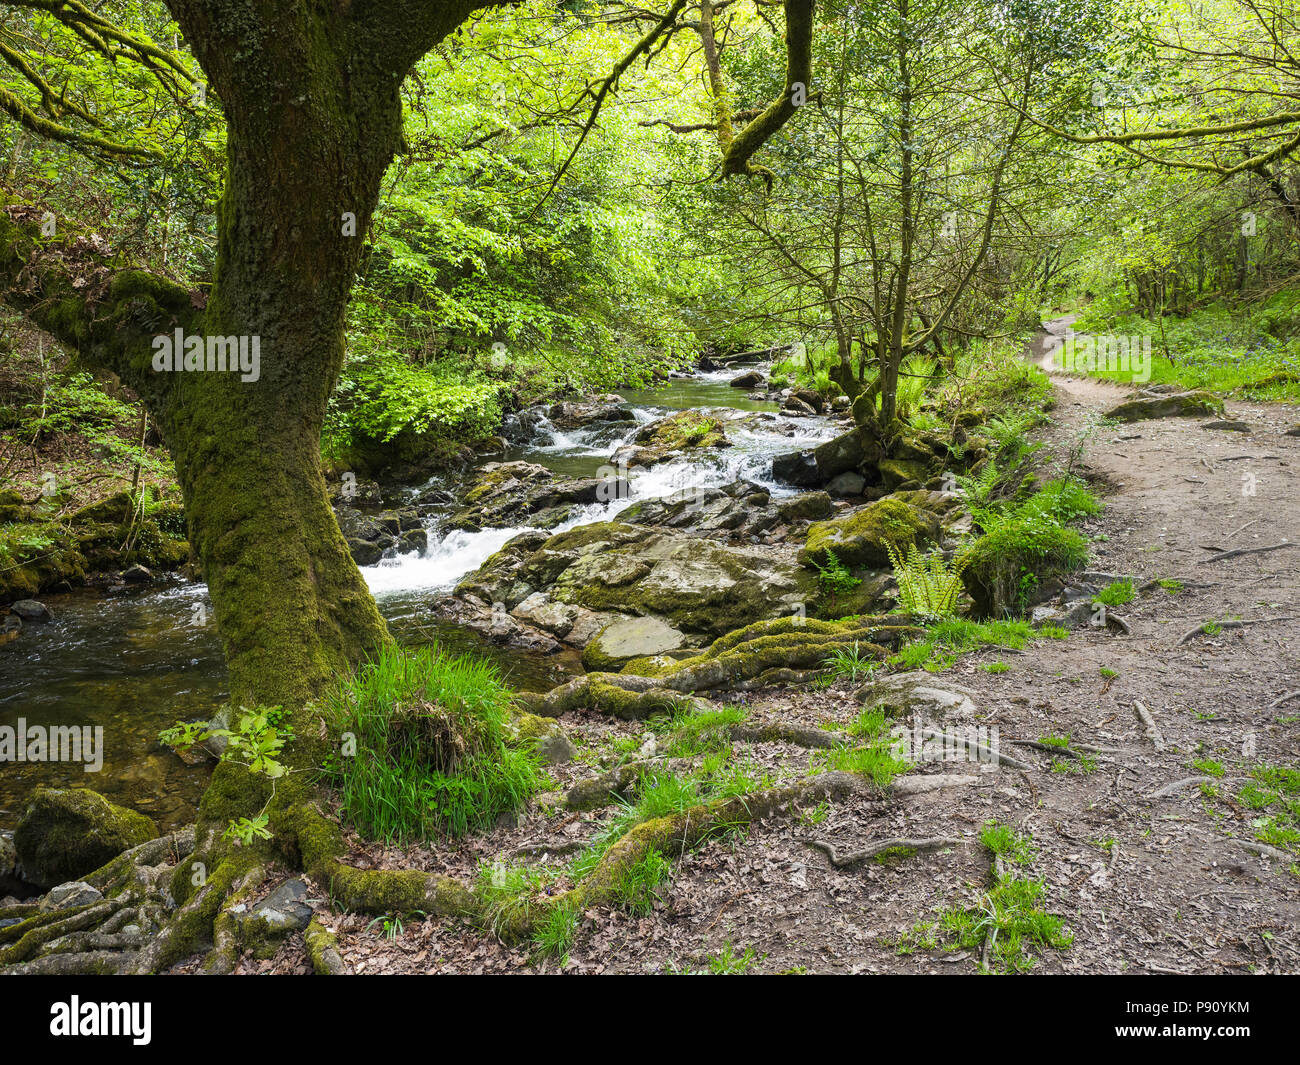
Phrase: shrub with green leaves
(429, 754)
(1025, 543)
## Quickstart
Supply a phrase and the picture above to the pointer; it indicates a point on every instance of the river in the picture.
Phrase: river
(138, 660)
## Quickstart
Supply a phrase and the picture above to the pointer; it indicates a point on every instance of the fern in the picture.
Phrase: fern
(927, 586)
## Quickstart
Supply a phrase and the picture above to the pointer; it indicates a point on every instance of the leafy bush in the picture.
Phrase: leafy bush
(1027, 542)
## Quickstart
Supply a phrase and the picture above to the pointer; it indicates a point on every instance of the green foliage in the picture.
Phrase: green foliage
(382, 396)
(703, 730)
(1117, 593)
(849, 663)
(877, 761)
(834, 577)
(636, 888)
(1006, 921)
(946, 639)
(425, 749)
(1027, 541)
(927, 587)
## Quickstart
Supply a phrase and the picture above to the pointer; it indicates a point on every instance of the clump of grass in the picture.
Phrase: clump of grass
(946, 639)
(703, 731)
(1208, 766)
(1008, 919)
(554, 932)
(727, 962)
(636, 887)
(1117, 593)
(1025, 542)
(848, 663)
(426, 751)
(877, 761)
(1170, 585)
(1006, 842)
(995, 667)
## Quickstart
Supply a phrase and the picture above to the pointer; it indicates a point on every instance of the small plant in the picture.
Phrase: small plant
(635, 887)
(995, 667)
(1117, 593)
(255, 742)
(848, 663)
(834, 577)
(1171, 586)
(928, 587)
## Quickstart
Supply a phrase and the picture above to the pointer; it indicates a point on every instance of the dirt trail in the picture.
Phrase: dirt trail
(1145, 884)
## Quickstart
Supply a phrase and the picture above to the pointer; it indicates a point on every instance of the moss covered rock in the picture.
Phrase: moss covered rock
(859, 537)
(694, 584)
(66, 833)
(517, 493)
(677, 434)
(1193, 404)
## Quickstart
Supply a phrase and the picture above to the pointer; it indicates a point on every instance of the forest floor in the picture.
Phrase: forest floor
(1143, 882)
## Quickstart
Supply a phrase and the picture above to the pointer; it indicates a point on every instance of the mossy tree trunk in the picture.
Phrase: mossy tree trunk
(310, 95)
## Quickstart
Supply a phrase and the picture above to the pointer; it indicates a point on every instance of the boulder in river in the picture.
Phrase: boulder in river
(677, 435)
(66, 833)
(814, 467)
(506, 494)
(31, 610)
(696, 585)
(609, 409)
(748, 379)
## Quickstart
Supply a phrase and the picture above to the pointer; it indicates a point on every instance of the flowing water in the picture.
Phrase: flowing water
(139, 660)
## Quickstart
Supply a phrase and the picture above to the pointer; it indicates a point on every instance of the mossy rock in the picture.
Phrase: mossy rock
(1194, 404)
(66, 833)
(115, 510)
(36, 558)
(903, 473)
(13, 508)
(667, 438)
(859, 538)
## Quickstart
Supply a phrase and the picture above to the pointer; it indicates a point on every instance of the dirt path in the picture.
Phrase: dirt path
(1144, 883)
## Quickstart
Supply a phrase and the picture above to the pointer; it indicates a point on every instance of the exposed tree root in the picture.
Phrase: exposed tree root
(1233, 623)
(322, 949)
(1244, 551)
(1149, 725)
(902, 846)
(755, 653)
(672, 836)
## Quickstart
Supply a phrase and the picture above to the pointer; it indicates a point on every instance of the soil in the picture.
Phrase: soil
(1144, 883)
